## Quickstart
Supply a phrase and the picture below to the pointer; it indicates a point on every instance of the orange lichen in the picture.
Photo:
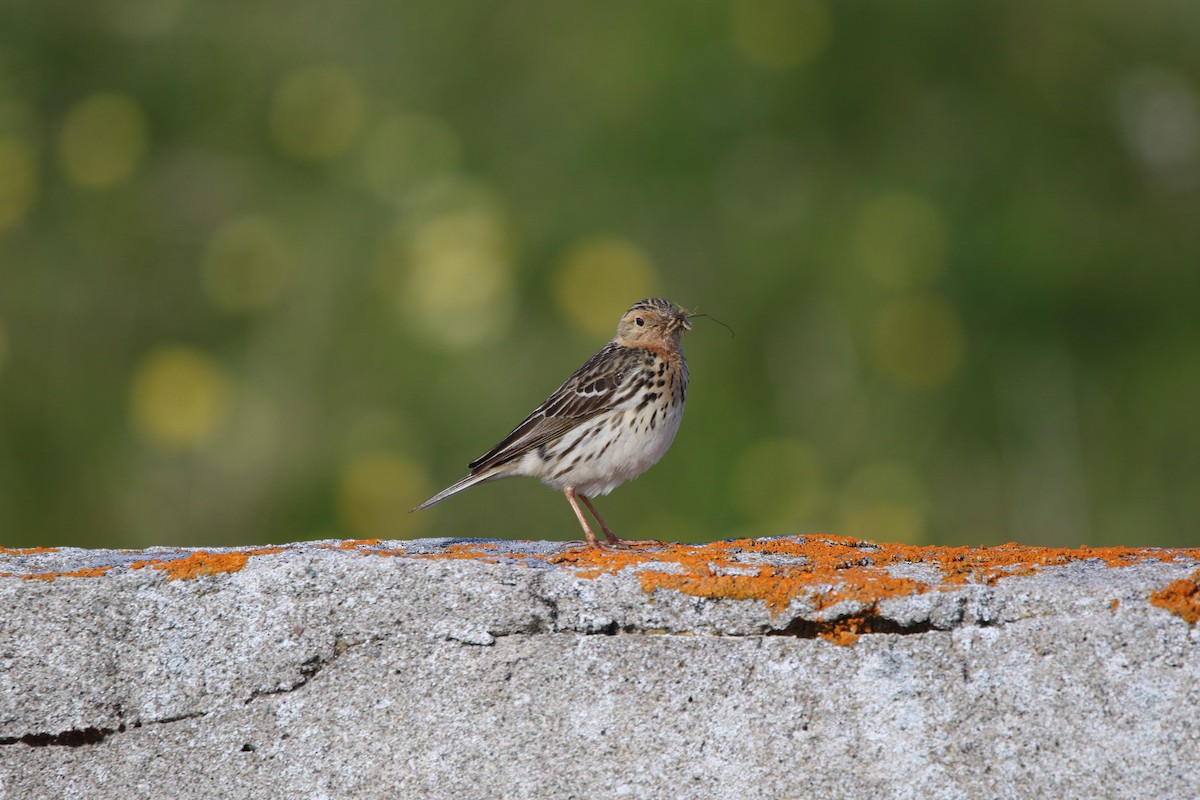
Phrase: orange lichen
(26, 551)
(1181, 598)
(844, 632)
(352, 544)
(818, 571)
(987, 564)
(87, 572)
(203, 562)
(472, 551)
(830, 569)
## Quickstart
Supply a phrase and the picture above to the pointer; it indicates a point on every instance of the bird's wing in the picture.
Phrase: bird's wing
(595, 387)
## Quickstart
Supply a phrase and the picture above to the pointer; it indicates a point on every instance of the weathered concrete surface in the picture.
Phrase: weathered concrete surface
(476, 670)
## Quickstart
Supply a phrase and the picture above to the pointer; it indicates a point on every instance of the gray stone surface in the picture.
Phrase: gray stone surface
(318, 672)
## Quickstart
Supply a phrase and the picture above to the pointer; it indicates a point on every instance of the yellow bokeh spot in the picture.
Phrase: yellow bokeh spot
(317, 113)
(781, 33)
(901, 240)
(405, 150)
(179, 398)
(884, 501)
(779, 484)
(18, 181)
(458, 290)
(598, 279)
(377, 493)
(102, 140)
(246, 266)
(919, 340)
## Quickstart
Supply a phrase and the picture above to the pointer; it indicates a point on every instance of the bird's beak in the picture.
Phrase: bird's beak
(682, 321)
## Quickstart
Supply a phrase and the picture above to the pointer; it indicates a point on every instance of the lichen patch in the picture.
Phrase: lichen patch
(202, 563)
(87, 572)
(1181, 598)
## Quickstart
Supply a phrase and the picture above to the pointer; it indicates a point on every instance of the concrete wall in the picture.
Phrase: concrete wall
(785, 668)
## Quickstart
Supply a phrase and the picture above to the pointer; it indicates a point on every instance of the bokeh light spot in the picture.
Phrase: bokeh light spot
(901, 240)
(598, 279)
(102, 140)
(246, 266)
(405, 150)
(317, 113)
(18, 181)
(179, 398)
(377, 493)
(781, 33)
(1159, 115)
(459, 288)
(919, 340)
(778, 483)
(884, 501)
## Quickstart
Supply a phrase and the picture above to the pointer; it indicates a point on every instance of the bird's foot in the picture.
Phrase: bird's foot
(613, 545)
(616, 543)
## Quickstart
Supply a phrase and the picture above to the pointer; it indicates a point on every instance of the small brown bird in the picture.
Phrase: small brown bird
(610, 422)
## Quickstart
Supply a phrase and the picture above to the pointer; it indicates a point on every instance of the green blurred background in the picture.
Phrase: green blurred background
(278, 270)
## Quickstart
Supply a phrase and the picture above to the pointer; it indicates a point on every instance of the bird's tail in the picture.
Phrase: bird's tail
(455, 488)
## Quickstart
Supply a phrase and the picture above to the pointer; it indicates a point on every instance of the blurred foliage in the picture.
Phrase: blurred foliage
(271, 270)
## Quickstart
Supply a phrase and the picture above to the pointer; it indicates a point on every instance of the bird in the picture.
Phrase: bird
(612, 420)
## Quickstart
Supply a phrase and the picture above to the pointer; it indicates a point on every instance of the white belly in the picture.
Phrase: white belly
(618, 448)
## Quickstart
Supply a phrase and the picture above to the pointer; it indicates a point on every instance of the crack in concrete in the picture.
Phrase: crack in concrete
(799, 628)
(75, 737)
(865, 622)
(538, 594)
(92, 734)
(858, 624)
(861, 624)
(310, 668)
(78, 737)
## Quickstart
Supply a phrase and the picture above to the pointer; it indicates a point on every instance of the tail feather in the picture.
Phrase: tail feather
(455, 488)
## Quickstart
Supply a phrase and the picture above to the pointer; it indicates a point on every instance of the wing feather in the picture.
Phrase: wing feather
(593, 389)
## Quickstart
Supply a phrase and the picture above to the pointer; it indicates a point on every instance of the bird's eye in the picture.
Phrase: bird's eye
(640, 322)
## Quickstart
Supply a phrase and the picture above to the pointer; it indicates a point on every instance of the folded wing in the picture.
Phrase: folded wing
(595, 388)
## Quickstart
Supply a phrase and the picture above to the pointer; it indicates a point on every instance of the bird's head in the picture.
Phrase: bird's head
(652, 323)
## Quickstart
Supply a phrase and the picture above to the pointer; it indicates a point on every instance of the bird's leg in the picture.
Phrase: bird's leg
(591, 537)
(613, 539)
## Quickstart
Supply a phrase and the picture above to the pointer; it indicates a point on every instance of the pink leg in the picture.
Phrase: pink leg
(591, 537)
(613, 539)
